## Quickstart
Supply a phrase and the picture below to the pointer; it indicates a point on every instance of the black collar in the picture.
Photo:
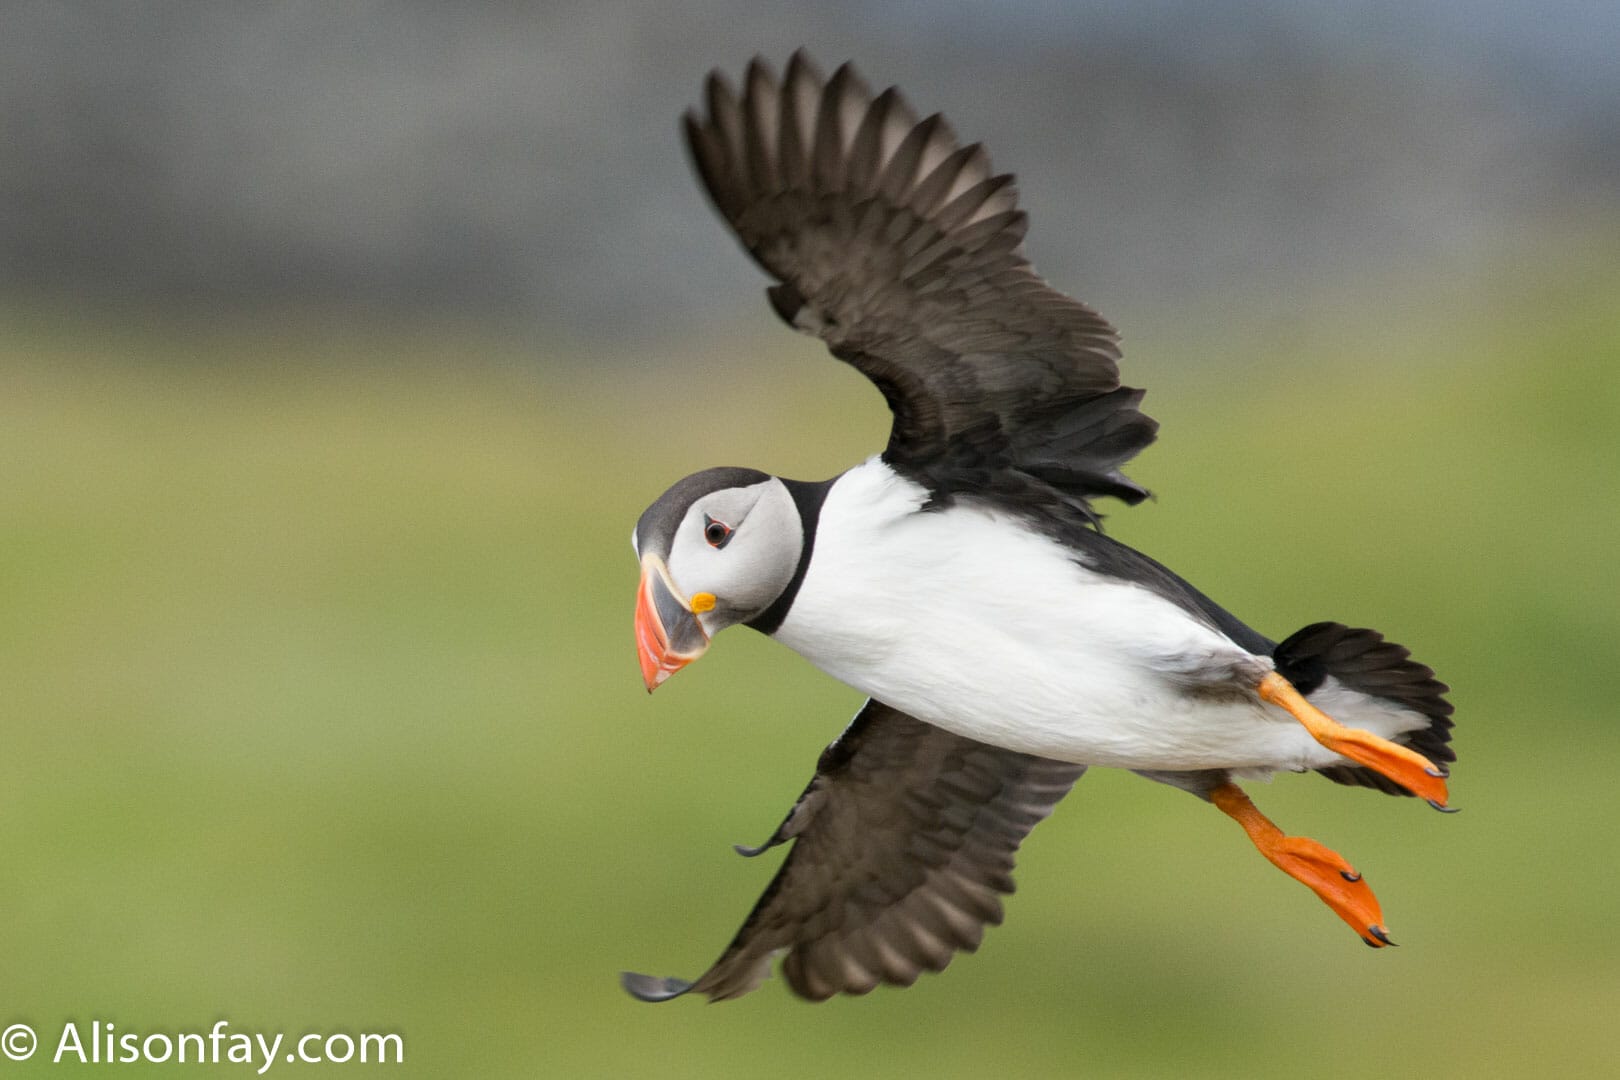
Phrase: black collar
(808, 497)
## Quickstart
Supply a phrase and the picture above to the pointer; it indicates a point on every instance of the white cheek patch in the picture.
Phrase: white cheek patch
(754, 566)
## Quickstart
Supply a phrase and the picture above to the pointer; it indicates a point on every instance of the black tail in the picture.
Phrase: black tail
(1363, 661)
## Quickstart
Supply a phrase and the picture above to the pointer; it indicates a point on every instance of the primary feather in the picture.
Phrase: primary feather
(903, 252)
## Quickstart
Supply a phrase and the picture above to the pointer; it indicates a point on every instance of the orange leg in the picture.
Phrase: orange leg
(1408, 768)
(1324, 871)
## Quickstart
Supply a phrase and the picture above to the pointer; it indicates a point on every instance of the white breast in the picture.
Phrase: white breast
(969, 620)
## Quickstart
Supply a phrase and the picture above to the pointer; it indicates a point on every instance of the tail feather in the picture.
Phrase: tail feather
(1363, 661)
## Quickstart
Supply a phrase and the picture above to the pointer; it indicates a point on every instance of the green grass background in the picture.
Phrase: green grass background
(321, 710)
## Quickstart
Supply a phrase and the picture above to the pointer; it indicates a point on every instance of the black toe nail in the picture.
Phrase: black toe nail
(1380, 933)
(1441, 808)
(1349, 875)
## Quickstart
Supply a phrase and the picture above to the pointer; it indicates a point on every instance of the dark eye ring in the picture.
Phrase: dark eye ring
(717, 533)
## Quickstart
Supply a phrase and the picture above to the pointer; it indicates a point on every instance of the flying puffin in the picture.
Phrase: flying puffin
(960, 578)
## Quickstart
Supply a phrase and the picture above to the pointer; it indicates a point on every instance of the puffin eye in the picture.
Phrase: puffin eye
(717, 533)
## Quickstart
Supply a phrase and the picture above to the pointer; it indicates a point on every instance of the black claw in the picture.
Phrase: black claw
(1349, 875)
(1432, 771)
(1442, 809)
(1381, 934)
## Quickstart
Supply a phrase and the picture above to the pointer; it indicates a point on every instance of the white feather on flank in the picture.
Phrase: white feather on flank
(968, 619)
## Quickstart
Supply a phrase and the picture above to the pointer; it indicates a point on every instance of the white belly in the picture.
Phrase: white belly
(965, 620)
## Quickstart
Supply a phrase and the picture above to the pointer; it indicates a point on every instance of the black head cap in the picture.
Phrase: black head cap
(655, 531)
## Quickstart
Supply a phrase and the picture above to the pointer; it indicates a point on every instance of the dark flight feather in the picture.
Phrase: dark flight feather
(903, 845)
(902, 250)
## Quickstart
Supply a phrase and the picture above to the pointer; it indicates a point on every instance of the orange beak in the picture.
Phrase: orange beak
(668, 633)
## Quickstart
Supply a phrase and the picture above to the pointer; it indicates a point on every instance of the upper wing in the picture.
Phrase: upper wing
(903, 842)
(902, 251)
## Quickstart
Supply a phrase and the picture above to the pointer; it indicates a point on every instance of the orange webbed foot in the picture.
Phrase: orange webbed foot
(1406, 767)
(1321, 869)
(1326, 873)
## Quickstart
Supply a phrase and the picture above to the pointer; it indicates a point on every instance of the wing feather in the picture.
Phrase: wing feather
(902, 250)
(904, 844)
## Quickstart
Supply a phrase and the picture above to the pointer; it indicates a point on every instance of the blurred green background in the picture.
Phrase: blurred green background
(322, 712)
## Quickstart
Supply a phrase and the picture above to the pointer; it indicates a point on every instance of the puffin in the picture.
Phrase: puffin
(961, 578)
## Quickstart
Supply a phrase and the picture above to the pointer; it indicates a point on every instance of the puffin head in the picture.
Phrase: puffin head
(717, 548)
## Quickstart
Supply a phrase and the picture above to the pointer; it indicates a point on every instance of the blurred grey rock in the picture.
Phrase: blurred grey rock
(521, 162)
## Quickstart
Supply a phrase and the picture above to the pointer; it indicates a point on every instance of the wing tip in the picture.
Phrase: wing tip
(652, 987)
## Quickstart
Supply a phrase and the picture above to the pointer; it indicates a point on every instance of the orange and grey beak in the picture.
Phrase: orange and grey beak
(668, 633)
